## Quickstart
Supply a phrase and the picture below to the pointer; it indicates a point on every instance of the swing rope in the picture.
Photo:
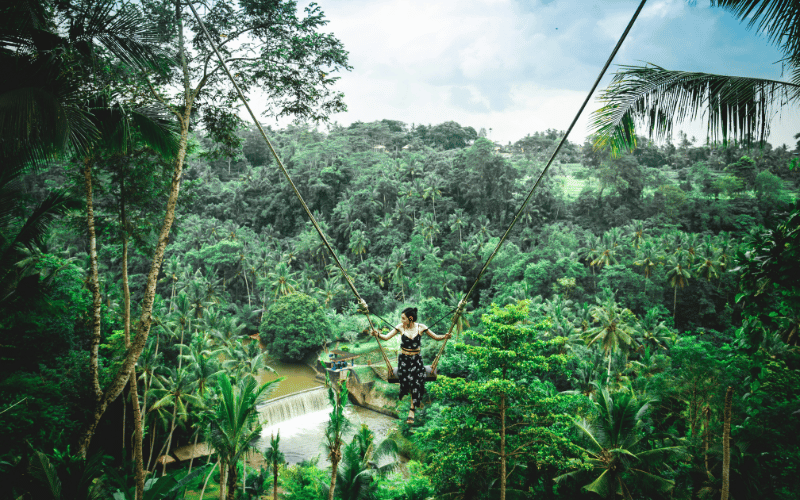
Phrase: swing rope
(461, 304)
(362, 303)
(459, 310)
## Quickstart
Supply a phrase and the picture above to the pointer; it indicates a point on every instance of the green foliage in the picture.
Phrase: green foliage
(473, 432)
(621, 458)
(295, 326)
(305, 482)
(770, 293)
(397, 486)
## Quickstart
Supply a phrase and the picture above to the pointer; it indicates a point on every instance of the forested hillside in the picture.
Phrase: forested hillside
(635, 336)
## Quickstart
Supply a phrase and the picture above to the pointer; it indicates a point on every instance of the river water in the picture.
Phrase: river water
(301, 419)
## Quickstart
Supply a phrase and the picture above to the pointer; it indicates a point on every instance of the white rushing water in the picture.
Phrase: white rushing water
(301, 420)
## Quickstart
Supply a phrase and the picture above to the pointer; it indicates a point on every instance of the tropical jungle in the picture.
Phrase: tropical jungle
(634, 335)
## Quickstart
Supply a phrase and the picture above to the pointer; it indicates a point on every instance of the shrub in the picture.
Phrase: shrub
(295, 326)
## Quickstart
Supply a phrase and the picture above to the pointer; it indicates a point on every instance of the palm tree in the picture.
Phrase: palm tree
(235, 425)
(607, 252)
(359, 243)
(591, 251)
(457, 222)
(175, 389)
(355, 477)
(201, 363)
(678, 276)
(275, 460)
(334, 430)
(619, 453)
(614, 328)
(647, 258)
(432, 191)
(652, 332)
(736, 108)
(636, 231)
(708, 265)
(399, 274)
(282, 280)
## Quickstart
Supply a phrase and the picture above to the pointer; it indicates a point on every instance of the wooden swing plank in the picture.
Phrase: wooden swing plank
(430, 376)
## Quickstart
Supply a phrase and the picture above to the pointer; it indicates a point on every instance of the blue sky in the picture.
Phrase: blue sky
(523, 66)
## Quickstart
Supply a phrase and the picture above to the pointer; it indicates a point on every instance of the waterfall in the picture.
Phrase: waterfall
(294, 405)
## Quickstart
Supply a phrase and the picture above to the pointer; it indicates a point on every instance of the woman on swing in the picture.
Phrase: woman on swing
(410, 369)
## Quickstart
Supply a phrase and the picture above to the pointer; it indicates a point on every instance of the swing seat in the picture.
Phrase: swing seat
(430, 375)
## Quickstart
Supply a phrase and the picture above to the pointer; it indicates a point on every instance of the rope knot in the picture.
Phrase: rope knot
(363, 307)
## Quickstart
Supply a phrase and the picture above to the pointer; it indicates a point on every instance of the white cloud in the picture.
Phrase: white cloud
(522, 66)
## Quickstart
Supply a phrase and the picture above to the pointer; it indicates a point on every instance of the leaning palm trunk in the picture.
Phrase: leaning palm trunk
(169, 437)
(726, 446)
(205, 483)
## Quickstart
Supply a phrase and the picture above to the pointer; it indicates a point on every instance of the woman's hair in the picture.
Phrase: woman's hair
(411, 313)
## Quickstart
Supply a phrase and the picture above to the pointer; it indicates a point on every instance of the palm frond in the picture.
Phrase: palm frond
(735, 108)
(45, 473)
(36, 225)
(124, 32)
(602, 485)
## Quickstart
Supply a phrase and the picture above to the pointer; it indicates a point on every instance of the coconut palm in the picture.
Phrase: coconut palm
(678, 275)
(334, 430)
(282, 280)
(652, 332)
(621, 458)
(606, 253)
(708, 264)
(275, 459)
(175, 389)
(636, 231)
(235, 425)
(736, 108)
(647, 258)
(359, 243)
(457, 222)
(613, 328)
(355, 478)
(201, 363)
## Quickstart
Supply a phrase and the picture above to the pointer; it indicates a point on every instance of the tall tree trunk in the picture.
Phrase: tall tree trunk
(231, 481)
(335, 458)
(152, 445)
(93, 283)
(194, 450)
(503, 448)
(223, 473)
(138, 459)
(169, 437)
(205, 483)
(275, 480)
(674, 302)
(706, 438)
(726, 446)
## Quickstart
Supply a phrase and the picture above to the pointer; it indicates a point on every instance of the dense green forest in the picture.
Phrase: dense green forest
(636, 335)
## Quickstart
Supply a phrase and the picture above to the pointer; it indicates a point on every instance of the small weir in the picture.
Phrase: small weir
(300, 419)
(291, 406)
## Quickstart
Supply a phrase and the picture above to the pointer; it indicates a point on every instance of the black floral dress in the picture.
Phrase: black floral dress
(410, 369)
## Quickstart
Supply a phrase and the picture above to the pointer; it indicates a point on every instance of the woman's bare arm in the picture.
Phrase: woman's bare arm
(436, 337)
(388, 336)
